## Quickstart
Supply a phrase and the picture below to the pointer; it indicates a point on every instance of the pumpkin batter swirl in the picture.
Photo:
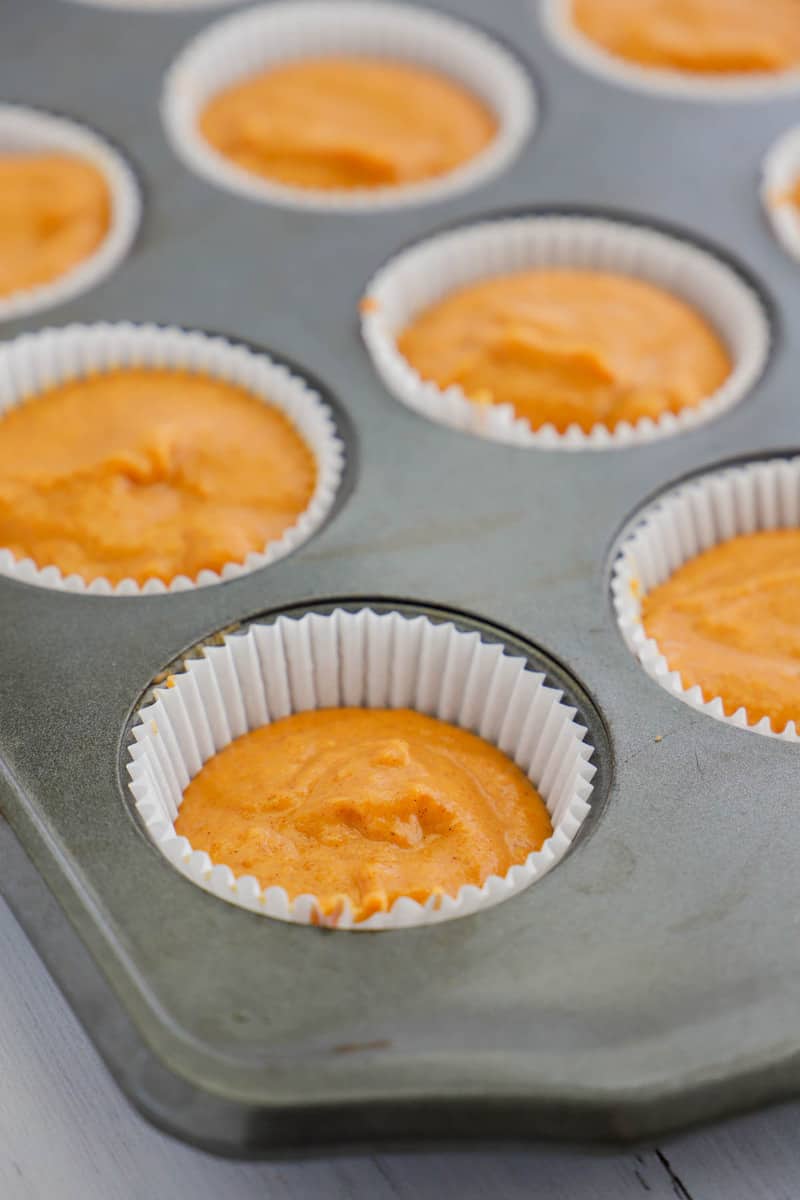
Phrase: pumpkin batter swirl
(729, 622)
(364, 804)
(141, 474)
(569, 347)
(343, 123)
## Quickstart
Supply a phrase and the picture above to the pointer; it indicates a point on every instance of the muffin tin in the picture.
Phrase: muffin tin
(649, 981)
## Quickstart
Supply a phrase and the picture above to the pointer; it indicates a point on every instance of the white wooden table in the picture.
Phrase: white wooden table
(66, 1133)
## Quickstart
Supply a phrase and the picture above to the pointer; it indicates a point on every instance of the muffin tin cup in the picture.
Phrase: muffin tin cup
(780, 173)
(27, 130)
(357, 659)
(33, 363)
(689, 519)
(428, 271)
(244, 44)
(556, 17)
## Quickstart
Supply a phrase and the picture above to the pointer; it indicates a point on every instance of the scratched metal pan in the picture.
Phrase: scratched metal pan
(650, 981)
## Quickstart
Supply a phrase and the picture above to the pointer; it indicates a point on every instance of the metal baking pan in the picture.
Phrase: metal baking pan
(647, 983)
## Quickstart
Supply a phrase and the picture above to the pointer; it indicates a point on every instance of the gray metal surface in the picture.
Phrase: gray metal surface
(651, 980)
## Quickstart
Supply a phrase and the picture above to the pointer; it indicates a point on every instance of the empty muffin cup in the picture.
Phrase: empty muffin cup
(707, 511)
(431, 270)
(28, 132)
(272, 36)
(360, 659)
(721, 85)
(34, 364)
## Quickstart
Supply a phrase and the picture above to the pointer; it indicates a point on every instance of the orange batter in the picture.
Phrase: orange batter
(55, 210)
(790, 196)
(729, 621)
(370, 804)
(348, 123)
(708, 37)
(148, 473)
(569, 347)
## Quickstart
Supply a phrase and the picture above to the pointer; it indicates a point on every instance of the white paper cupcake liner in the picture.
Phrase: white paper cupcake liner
(357, 659)
(246, 43)
(556, 17)
(428, 271)
(30, 131)
(683, 523)
(32, 363)
(779, 174)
